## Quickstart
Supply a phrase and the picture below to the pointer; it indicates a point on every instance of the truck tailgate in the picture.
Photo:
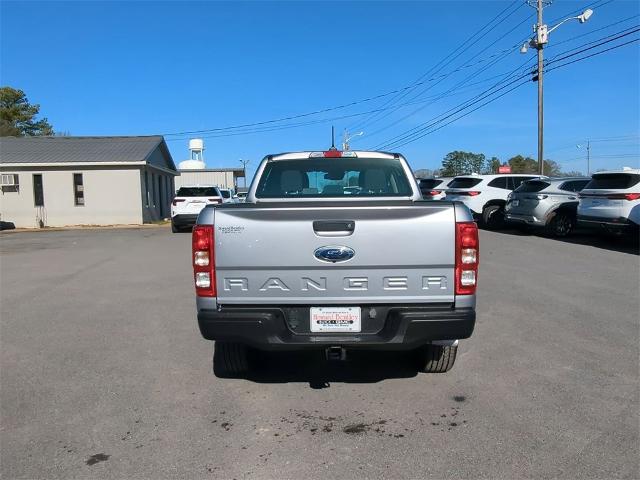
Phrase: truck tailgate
(265, 254)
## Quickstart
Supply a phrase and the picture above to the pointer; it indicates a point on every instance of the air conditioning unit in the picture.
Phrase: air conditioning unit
(9, 180)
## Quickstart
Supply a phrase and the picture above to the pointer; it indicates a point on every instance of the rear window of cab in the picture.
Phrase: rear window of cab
(335, 178)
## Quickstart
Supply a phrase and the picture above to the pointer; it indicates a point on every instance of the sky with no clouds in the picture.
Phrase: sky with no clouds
(146, 67)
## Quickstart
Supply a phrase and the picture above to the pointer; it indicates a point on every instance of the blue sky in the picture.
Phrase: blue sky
(137, 68)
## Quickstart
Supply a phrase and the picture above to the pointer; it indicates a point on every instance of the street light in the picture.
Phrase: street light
(244, 170)
(346, 138)
(588, 147)
(538, 42)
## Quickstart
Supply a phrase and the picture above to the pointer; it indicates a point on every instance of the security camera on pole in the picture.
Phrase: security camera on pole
(538, 42)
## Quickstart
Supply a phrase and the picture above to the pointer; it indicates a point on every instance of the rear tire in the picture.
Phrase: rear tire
(230, 360)
(436, 358)
(493, 216)
(560, 225)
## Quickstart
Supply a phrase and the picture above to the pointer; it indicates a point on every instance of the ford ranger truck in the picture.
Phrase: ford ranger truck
(335, 250)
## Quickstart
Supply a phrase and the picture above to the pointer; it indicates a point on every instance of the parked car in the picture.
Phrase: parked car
(549, 203)
(188, 203)
(434, 188)
(611, 201)
(486, 195)
(228, 195)
(304, 264)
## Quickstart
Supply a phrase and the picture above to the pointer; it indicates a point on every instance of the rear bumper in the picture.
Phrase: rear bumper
(605, 222)
(523, 218)
(287, 328)
(184, 220)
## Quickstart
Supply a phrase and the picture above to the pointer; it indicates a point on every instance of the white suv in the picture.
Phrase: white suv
(485, 195)
(611, 200)
(434, 188)
(188, 202)
(228, 195)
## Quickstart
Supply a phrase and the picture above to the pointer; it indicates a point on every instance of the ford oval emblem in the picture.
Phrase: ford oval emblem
(334, 254)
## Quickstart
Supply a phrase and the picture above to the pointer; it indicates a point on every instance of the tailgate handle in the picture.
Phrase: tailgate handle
(334, 228)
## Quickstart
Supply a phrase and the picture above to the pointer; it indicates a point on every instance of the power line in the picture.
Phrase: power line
(419, 129)
(248, 127)
(425, 130)
(461, 83)
(375, 97)
(271, 128)
(615, 36)
(268, 124)
(593, 54)
(501, 55)
(591, 32)
(447, 60)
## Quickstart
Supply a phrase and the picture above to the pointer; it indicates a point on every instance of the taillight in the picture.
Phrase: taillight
(624, 196)
(176, 201)
(204, 269)
(467, 257)
(473, 193)
(333, 154)
(433, 193)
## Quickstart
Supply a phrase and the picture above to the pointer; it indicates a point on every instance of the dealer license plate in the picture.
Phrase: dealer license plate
(335, 319)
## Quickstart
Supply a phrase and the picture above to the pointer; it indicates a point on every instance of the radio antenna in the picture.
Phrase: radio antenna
(333, 138)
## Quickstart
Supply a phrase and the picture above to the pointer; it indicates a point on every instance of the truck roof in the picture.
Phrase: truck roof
(319, 153)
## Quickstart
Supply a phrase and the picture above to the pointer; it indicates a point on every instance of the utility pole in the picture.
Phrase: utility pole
(588, 148)
(244, 170)
(540, 39)
(541, 35)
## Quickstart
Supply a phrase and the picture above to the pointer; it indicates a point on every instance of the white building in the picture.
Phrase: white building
(60, 181)
(194, 171)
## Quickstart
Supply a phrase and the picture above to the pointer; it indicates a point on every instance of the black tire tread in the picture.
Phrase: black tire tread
(551, 226)
(230, 360)
(437, 358)
(490, 221)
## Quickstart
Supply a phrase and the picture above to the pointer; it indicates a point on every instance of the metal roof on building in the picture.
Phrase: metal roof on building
(222, 169)
(59, 150)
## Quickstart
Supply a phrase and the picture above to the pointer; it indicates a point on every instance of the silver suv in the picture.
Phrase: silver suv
(550, 203)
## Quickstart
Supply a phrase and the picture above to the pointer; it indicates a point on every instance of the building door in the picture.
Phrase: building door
(161, 189)
(38, 191)
(38, 200)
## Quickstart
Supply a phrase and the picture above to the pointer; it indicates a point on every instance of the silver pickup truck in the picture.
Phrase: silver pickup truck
(335, 250)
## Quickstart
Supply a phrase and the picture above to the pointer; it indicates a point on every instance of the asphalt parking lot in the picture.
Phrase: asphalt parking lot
(104, 373)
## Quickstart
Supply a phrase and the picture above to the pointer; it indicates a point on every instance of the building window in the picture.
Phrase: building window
(10, 182)
(78, 190)
(38, 193)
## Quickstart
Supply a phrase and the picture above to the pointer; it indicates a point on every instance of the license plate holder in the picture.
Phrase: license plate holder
(335, 319)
